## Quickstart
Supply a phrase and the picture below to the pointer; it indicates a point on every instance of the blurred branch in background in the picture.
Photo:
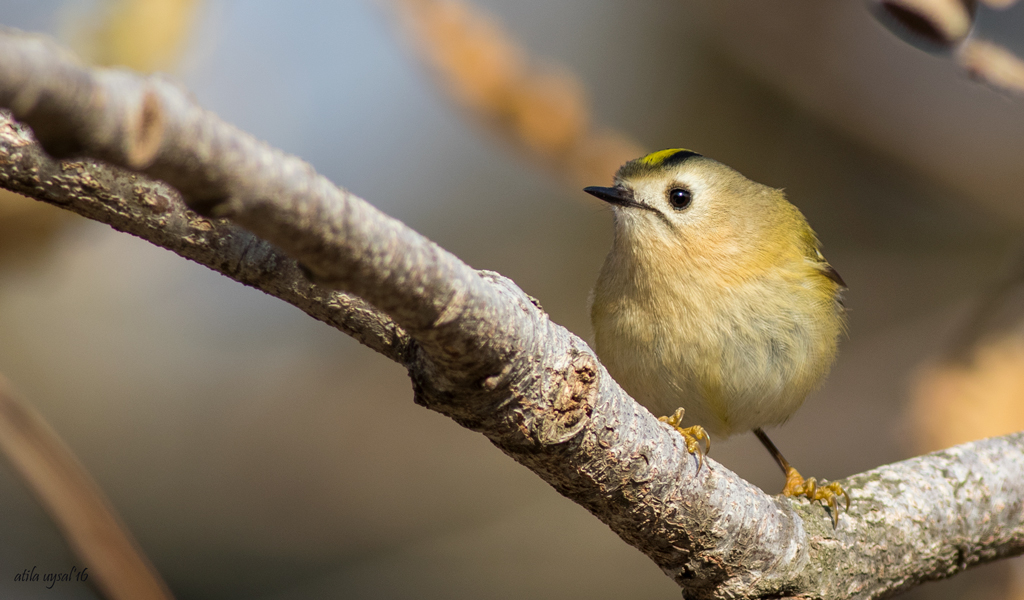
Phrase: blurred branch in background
(112, 561)
(540, 108)
(143, 35)
(993, 65)
(953, 403)
(977, 390)
(946, 25)
(942, 22)
(999, 4)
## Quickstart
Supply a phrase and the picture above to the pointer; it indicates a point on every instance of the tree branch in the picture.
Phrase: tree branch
(153, 211)
(484, 353)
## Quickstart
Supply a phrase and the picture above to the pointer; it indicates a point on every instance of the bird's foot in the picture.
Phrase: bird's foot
(828, 493)
(691, 435)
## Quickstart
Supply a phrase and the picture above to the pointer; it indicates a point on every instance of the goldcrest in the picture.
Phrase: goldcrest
(715, 302)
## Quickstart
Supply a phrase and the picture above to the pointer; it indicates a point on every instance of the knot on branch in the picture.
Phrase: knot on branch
(125, 120)
(571, 401)
(544, 392)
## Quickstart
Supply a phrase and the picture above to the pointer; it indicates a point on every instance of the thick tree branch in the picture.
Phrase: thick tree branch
(153, 211)
(486, 354)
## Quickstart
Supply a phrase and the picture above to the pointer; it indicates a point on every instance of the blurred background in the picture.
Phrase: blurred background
(256, 453)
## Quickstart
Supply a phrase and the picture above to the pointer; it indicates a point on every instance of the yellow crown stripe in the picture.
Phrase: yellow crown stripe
(655, 159)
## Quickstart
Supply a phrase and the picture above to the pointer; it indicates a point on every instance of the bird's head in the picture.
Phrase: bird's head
(685, 205)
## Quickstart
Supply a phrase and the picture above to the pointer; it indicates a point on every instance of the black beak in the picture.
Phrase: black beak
(619, 197)
(624, 197)
(612, 195)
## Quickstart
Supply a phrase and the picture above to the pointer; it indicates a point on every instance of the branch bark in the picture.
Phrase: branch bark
(154, 211)
(481, 351)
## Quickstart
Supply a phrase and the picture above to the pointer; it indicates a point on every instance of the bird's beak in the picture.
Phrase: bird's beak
(612, 195)
(623, 197)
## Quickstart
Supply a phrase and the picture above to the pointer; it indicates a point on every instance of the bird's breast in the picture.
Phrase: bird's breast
(736, 354)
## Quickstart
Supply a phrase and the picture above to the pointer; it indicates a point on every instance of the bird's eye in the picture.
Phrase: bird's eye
(679, 198)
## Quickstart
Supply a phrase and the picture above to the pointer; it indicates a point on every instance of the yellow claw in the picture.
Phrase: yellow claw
(691, 435)
(796, 485)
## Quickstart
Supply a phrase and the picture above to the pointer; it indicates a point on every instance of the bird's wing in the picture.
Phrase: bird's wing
(828, 270)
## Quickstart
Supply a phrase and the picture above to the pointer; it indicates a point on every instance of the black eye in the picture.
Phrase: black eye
(679, 198)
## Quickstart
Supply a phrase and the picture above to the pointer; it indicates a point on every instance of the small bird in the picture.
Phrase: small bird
(715, 302)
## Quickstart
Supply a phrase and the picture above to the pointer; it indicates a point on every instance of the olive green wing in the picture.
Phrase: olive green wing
(828, 270)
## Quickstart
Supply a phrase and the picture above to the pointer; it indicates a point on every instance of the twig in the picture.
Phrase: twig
(993, 65)
(541, 109)
(941, 22)
(112, 560)
(946, 25)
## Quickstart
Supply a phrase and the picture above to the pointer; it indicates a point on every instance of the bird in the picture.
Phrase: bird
(715, 304)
